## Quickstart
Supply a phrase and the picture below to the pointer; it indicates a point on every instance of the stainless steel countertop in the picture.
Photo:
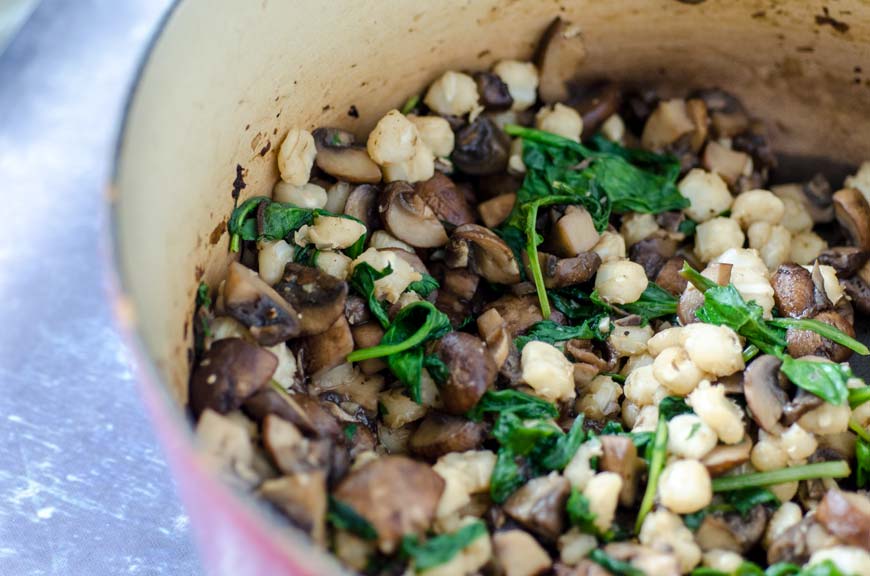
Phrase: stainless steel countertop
(84, 488)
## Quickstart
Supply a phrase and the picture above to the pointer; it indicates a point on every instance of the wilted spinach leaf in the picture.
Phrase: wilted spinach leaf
(343, 516)
(362, 280)
(424, 286)
(523, 405)
(441, 549)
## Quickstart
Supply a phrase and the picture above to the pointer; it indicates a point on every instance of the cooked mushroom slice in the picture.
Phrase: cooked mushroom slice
(802, 403)
(583, 568)
(446, 200)
(481, 251)
(339, 156)
(407, 217)
(652, 253)
(729, 164)
(853, 213)
(493, 330)
(494, 93)
(539, 505)
(596, 104)
(440, 434)
(846, 515)
(764, 397)
(229, 372)
(302, 498)
(287, 448)
(472, 371)
(818, 198)
(462, 282)
(362, 204)
(317, 296)
(496, 210)
(669, 276)
(731, 531)
(397, 495)
(795, 293)
(518, 312)
(859, 291)
(328, 349)
(561, 272)
(620, 456)
(725, 457)
(727, 114)
(258, 306)
(690, 301)
(517, 553)
(481, 148)
(846, 260)
(806, 343)
(799, 542)
(366, 336)
(573, 233)
(559, 56)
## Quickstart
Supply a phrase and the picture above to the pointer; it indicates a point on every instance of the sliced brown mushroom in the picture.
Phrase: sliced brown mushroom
(560, 53)
(518, 312)
(471, 371)
(764, 397)
(328, 349)
(729, 164)
(652, 253)
(806, 343)
(248, 299)
(573, 233)
(229, 372)
(853, 213)
(619, 455)
(697, 111)
(300, 410)
(496, 210)
(539, 505)
(517, 553)
(818, 198)
(339, 156)
(446, 200)
(493, 330)
(317, 297)
(440, 434)
(794, 292)
(461, 282)
(561, 272)
(802, 403)
(669, 276)
(846, 515)
(597, 103)
(859, 291)
(494, 93)
(731, 531)
(846, 260)
(407, 217)
(302, 498)
(481, 148)
(483, 252)
(365, 336)
(362, 204)
(725, 457)
(687, 307)
(289, 450)
(397, 496)
(799, 542)
(727, 114)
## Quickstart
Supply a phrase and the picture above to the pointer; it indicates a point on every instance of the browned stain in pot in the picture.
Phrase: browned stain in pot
(759, 15)
(218, 231)
(353, 112)
(239, 182)
(265, 149)
(199, 271)
(825, 19)
(186, 326)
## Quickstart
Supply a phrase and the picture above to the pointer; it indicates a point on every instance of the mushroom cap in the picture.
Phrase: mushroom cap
(846, 260)
(472, 371)
(619, 455)
(846, 515)
(328, 349)
(409, 218)
(494, 93)
(764, 397)
(596, 104)
(481, 148)
(302, 498)
(228, 373)
(248, 299)
(446, 200)
(440, 434)
(338, 156)
(362, 204)
(539, 505)
(559, 56)
(318, 297)
(794, 292)
(806, 343)
(652, 253)
(484, 253)
(518, 312)
(853, 213)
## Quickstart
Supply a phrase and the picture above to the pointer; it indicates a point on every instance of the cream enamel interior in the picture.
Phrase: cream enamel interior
(227, 79)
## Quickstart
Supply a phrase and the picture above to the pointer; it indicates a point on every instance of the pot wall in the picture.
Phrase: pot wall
(226, 80)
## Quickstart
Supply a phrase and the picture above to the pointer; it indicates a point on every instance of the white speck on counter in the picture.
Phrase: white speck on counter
(45, 513)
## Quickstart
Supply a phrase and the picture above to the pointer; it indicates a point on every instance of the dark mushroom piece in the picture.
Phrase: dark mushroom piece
(407, 217)
(853, 213)
(497, 209)
(725, 457)
(802, 403)
(362, 204)
(228, 373)
(440, 434)
(303, 411)
(731, 531)
(365, 336)
(446, 200)
(493, 330)
(596, 104)
(494, 93)
(248, 299)
(484, 253)
(799, 542)
(795, 293)
(328, 349)
(560, 53)
(846, 515)
(652, 253)
(806, 343)
(302, 498)
(317, 297)
(481, 148)
(669, 276)
(291, 452)
(561, 272)
(461, 282)
(573, 233)
(356, 310)
(397, 496)
(619, 455)
(858, 290)
(340, 157)
(539, 505)
(818, 199)
(687, 306)
(846, 260)
(810, 492)
(728, 117)
(764, 397)
(518, 312)
(471, 371)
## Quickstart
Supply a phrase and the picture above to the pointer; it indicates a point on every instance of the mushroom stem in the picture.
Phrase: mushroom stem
(836, 469)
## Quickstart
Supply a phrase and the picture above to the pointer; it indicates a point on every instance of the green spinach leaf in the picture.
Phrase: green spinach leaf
(362, 280)
(579, 513)
(614, 566)
(424, 286)
(550, 332)
(523, 405)
(862, 463)
(437, 369)
(858, 396)
(441, 549)
(824, 379)
(654, 302)
(671, 406)
(745, 500)
(506, 477)
(343, 516)
(519, 436)
(559, 454)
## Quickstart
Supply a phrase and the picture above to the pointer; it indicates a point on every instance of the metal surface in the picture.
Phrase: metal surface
(83, 486)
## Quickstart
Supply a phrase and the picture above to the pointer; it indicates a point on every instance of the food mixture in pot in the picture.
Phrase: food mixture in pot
(532, 327)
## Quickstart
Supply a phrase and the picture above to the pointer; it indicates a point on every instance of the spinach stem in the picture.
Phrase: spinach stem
(837, 469)
(657, 462)
(862, 432)
(750, 352)
(698, 280)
